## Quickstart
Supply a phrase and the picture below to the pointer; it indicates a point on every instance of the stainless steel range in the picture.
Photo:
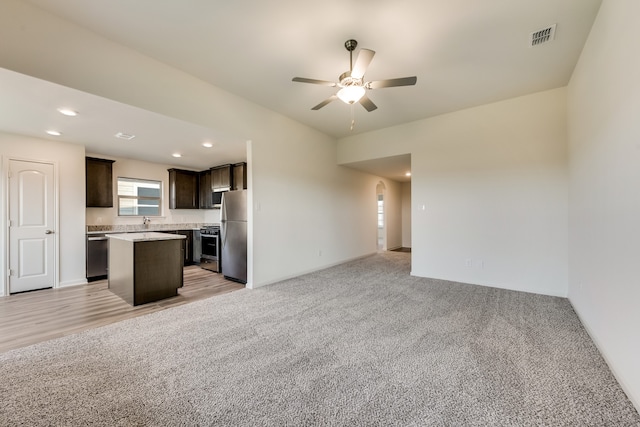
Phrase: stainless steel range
(210, 240)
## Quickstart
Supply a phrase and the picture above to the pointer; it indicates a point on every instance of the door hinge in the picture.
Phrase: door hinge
(10, 272)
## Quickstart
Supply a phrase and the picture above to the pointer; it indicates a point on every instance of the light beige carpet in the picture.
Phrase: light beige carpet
(362, 343)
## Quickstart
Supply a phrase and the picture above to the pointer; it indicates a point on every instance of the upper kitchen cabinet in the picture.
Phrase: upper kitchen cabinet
(99, 182)
(183, 189)
(206, 189)
(239, 176)
(221, 178)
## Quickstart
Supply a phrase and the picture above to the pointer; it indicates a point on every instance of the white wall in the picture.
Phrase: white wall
(493, 184)
(128, 168)
(393, 213)
(292, 168)
(406, 214)
(307, 211)
(69, 165)
(604, 202)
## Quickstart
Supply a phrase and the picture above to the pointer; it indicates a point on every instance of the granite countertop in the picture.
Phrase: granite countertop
(140, 228)
(146, 237)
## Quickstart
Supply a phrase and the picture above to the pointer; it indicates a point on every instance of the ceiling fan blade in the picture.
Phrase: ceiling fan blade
(402, 81)
(314, 81)
(362, 62)
(325, 102)
(367, 103)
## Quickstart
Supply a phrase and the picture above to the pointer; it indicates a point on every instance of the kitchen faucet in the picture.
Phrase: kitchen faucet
(146, 220)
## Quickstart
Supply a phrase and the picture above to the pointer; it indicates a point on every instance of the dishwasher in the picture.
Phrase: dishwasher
(97, 257)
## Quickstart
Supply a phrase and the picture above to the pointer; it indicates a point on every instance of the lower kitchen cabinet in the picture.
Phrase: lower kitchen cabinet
(187, 246)
(145, 267)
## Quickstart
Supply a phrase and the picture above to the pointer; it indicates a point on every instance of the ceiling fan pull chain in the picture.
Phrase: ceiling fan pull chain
(353, 120)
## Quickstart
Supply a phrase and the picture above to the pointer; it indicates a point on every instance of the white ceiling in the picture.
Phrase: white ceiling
(464, 52)
(28, 106)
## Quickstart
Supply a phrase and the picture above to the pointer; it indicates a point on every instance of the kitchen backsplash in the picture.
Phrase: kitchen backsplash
(125, 228)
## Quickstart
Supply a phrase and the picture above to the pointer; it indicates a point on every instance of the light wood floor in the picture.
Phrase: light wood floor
(37, 316)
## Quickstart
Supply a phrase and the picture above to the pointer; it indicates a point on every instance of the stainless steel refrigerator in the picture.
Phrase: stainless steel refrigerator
(233, 235)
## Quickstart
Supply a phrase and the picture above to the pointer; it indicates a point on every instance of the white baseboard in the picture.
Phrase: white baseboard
(68, 283)
(547, 292)
(635, 400)
(313, 270)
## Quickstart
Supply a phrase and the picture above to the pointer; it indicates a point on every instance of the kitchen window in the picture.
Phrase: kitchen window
(139, 197)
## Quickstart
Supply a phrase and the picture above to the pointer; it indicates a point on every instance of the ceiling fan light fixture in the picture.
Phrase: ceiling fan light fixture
(351, 94)
(352, 84)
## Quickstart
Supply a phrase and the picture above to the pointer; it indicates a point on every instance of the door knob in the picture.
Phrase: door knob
(49, 232)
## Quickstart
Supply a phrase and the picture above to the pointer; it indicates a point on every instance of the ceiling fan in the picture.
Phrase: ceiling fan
(351, 83)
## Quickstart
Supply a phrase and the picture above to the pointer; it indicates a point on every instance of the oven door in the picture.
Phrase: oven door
(210, 258)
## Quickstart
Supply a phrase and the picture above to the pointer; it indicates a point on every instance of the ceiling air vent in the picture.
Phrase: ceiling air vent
(123, 135)
(542, 36)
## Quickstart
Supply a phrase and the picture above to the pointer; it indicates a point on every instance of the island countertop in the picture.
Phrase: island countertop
(146, 237)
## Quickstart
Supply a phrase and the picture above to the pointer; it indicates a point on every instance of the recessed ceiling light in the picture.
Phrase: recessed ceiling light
(54, 133)
(68, 112)
(207, 144)
(123, 135)
(407, 174)
(177, 155)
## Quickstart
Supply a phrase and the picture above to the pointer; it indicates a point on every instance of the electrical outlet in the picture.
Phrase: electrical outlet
(468, 262)
(319, 252)
(480, 263)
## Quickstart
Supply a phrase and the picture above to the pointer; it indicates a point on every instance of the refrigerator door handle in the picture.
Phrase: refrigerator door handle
(223, 210)
(223, 234)
(223, 222)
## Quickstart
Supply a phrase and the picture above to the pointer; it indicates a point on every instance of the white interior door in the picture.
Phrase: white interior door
(31, 226)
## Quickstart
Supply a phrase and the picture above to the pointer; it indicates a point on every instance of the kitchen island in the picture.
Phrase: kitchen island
(145, 267)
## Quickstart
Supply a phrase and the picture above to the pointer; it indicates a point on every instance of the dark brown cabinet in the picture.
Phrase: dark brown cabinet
(183, 189)
(99, 183)
(145, 271)
(198, 190)
(206, 189)
(221, 178)
(239, 176)
(187, 245)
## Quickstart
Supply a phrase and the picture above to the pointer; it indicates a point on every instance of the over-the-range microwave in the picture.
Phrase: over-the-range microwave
(217, 199)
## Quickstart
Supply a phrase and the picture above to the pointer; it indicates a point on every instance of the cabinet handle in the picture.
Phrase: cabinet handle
(49, 232)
